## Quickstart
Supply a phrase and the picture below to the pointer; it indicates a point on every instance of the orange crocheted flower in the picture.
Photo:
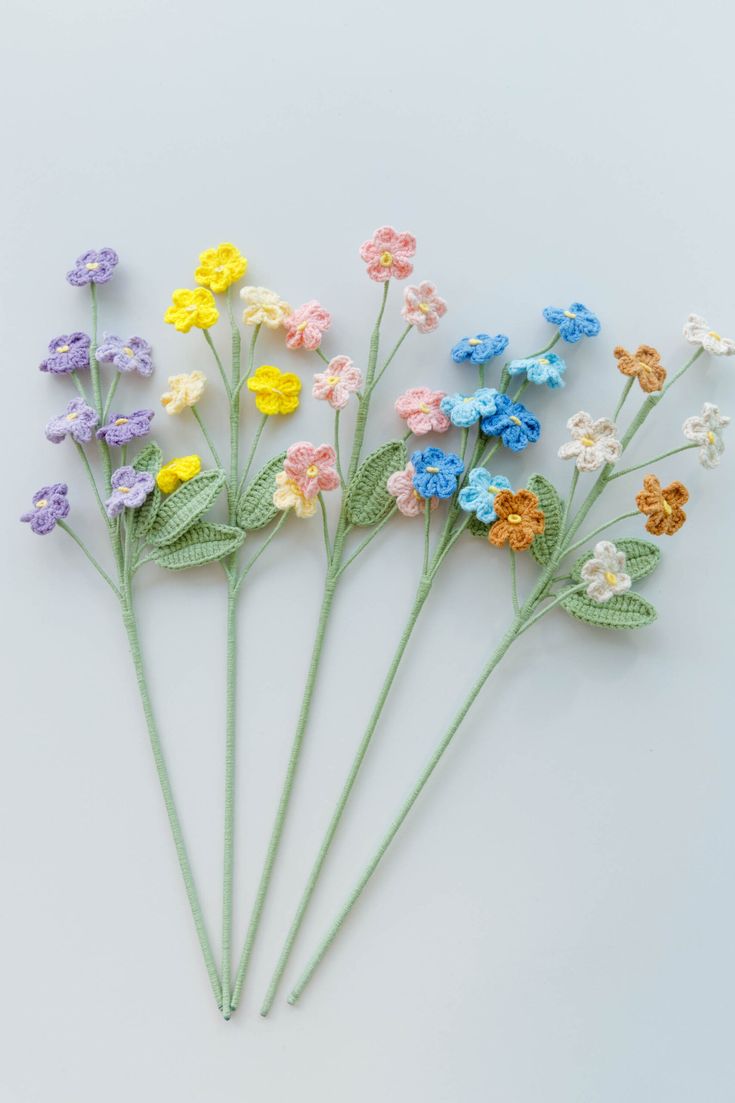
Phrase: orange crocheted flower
(645, 363)
(519, 519)
(662, 506)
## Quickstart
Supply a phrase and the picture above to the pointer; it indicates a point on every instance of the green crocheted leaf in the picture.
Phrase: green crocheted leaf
(641, 557)
(368, 500)
(543, 545)
(476, 527)
(150, 460)
(185, 506)
(622, 611)
(203, 542)
(255, 509)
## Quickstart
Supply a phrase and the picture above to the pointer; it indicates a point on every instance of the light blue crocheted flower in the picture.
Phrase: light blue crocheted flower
(479, 349)
(436, 472)
(547, 369)
(478, 496)
(464, 410)
(513, 423)
(575, 323)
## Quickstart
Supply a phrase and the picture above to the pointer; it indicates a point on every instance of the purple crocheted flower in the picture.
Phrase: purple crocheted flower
(131, 355)
(78, 422)
(130, 488)
(94, 266)
(69, 352)
(122, 428)
(50, 504)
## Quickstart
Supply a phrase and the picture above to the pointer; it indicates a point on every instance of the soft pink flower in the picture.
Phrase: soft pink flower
(387, 254)
(419, 408)
(311, 469)
(337, 382)
(422, 307)
(306, 325)
(408, 499)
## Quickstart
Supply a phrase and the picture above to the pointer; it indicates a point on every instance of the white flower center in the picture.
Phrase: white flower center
(41, 503)
(432, 470)
(569, 314)
(474, 341)
(92, 266)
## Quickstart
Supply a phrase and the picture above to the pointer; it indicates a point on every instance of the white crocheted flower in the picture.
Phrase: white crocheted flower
(605, 572)
(264, 307)
(697, 332)
(705, 429)
(593, 443)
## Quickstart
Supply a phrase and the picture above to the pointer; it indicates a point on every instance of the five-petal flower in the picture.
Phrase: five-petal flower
(79, 422)
(574, 323)
(50, 504)
(131, 355)
(94, 266)
(464, 410)
(130, 488)
(697, 332)
(643, 364)
(519, 519)
(305, 326)
(516, 426)
(122, 428)
(436, 472)
(547, 368)
(420, 408)
(337, 382)
(422, 307)
(605, 572)
(276, 392)
(264, 307)
(478, 496)
(388, 254)
(409, 501)
(705, 429)
(191, 308)
(312, 469)
(480, 348)
(67, 353)
(593, 442)
(184, 390)
(221, 267)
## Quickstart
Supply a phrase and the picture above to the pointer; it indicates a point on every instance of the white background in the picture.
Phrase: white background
(554, 924)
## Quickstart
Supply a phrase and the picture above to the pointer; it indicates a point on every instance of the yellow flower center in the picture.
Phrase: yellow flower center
(493, 489)
(588, 442)
(715, 334)
(424, 308)
(41, 503)
(62, 348)
(667, 508)
(424, 408)
(312, 471)
(332, 380)
(611, 578)
(543, 360)
(516, 420)
(569, 314)
(711, 437)
(386, 259)
(121, 420)
(124, 489)
(514, 518)
(417, 495)
(474, 341)
(300, 328)
(468, 398)
(94, 264)
(128, 351)
(432, 470)
(72, 416)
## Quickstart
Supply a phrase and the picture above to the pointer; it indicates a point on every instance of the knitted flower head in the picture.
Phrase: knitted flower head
(480, 348)
(337, 382)
(67, 353)
(221, 267)
(479, 495)
(436, 472)
(191, 309)
(130, 488)
(547, 369)
(605, 572)
(519, 519)
(662, 505)
(264, 307)
(276, 392)
(593, 442)
(178, 471)
(122, 428)
(387, 254)
(705, 430)
(697, 332)
(464, 410)
(79, 422)
(50, 504)
(644, 365)
(516, 426)
(400, 486)
(312, 469)
(574, 323)
(421, 409)
(133, 355)
(305, 326)
(184, 390)
(94, 266)
(288, 496)
(422, 307)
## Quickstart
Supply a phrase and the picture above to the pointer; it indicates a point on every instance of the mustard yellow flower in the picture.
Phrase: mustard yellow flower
(276, 392)
(178, 471)
(264, 307)
(186, 390)
(221, 267)
(191, 308)
(288, 496)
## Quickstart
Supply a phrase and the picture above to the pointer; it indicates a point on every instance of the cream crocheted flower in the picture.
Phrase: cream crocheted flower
(698, 332)
(705, 429)
(605, 572)
(593, 442)
(185, 390)
(264, 307)
(288, 496)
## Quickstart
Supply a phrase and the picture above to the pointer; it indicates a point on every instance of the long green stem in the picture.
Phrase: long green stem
(514, 581)
(110, 396)
(601, 528)
(254, 559)
(648, 463)
(92, 481)
(391, 356)
(220, 365)
(624, 395)
(338, 462)
(253, 448)
(100, 570)
(205, 434)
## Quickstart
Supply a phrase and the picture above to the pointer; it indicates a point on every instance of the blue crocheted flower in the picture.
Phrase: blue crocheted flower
(464, 410)
(436, 472)
(574, 323)
(479, 349)
(513, 423)
(547, 369)
(478, 496)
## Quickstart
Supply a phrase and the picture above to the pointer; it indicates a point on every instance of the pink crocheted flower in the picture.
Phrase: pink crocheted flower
(422, 307)
(419, 408)
(387, 254)
(311, 469)
(306, 325)
(409, 501)
(337, 382)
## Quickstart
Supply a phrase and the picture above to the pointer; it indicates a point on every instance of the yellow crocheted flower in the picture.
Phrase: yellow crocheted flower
(276, 392)
(288, 496)
(263, 307)
(178, 471)
(191, 308)
(186, 390)
(221, 267)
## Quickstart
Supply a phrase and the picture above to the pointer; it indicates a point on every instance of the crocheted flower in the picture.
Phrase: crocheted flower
(340, 379)
(288, 496)
(264, 307)
(420, 408)
(122, 428)
(69, 352)
(409, 501)
(184, 390)
(131, 355)
(306, 325)
(645, 364)
(706, 430)
(575, 323)
(516, 426)
(130, 488)
(178, 471)
(422, 307)
(94, 266)
(605, 572)
(221, 267)
(191, 308)
(479, 349)
(311, 469)
(387, 254)
(593, 443)
(547, 369)
(697, 332)
(478, 496)
(662, 505)
(276, 392)
(436, 472)
(79, 422)
(50, 505)
(519, 519)
(464, 410)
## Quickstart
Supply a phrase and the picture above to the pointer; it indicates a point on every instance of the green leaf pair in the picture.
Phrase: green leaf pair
(623, 610)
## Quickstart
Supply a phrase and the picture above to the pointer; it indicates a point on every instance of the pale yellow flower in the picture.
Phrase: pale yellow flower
(186, 390)
(264, 307)
(221, 267)
(288, 496)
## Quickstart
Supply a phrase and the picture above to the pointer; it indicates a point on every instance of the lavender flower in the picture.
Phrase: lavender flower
(130, 488)
(78, 422)
(122, 428)
(94, 266)
(50, 504)
(67, 353)
(131, 355)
